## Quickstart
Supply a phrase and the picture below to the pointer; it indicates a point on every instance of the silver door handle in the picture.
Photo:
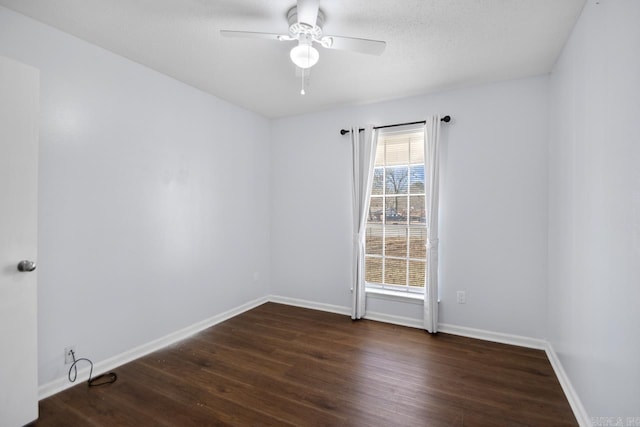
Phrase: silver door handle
(26, 265)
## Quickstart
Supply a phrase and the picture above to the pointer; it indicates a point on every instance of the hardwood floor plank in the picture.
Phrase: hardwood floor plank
(241, 390)
(281, 365)
(204, 404)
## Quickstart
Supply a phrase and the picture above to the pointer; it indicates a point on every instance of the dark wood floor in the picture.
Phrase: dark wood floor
(282, 365)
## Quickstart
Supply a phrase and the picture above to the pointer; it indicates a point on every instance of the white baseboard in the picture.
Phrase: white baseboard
(396, 320)
(338, 309)
(417, 323)
(59, 384)
(572, 396)
(492, 336)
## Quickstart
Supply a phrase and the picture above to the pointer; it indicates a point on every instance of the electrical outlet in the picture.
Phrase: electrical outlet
(68, 357)
(462, 297)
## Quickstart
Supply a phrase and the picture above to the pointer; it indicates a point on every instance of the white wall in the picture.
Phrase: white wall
(153, 199)
(494, 204)
(594, 209)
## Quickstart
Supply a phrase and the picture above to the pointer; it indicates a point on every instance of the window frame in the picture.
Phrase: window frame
(388, 289)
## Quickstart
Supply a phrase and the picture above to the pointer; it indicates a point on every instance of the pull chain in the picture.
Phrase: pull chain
(302, 90)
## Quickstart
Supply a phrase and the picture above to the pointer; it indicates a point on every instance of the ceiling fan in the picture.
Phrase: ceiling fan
(305, 26)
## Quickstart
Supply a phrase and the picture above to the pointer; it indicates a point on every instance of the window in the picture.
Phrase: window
(396, 232)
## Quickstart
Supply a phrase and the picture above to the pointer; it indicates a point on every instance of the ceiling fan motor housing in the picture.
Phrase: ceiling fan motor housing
(297, 29)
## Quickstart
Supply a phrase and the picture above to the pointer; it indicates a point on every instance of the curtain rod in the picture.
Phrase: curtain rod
(445, 119)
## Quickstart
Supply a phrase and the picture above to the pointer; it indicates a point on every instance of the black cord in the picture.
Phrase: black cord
(111, 377)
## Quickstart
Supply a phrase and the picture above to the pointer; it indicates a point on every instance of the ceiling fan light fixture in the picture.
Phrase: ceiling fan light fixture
(304, 55)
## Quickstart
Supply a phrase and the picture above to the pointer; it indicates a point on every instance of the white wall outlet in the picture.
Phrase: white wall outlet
(68, 357)
(462, 297)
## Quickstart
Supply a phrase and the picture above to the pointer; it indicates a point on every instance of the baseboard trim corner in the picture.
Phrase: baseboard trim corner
(572, 396)
(60, 384)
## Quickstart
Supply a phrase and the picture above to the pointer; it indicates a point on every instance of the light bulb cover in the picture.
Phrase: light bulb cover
(304, 55)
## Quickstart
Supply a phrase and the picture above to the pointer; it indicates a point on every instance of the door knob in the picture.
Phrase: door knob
(26, 265)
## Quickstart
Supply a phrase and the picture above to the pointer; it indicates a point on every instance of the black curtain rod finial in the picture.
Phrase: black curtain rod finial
(344, 131)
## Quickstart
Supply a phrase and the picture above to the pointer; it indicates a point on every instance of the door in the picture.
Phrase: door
(19, 96)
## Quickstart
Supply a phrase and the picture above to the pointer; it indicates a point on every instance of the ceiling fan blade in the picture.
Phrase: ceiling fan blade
(370, 47)
(252, 35)
(308, 11)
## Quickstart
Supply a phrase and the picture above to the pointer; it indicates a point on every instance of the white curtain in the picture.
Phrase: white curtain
(363, 148)
(432, 152)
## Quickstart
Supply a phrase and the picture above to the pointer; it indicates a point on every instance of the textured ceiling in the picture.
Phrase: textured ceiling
(431, 44)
